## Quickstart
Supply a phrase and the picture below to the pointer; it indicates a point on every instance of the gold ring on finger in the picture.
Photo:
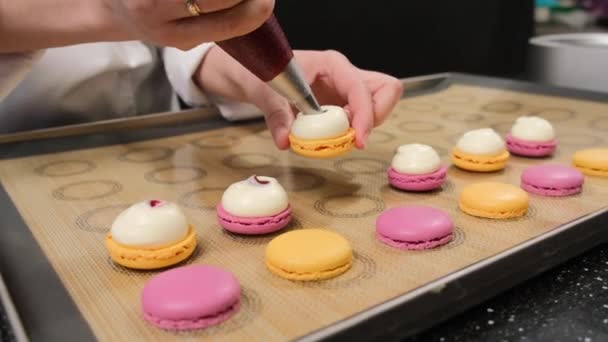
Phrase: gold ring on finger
(193, 8)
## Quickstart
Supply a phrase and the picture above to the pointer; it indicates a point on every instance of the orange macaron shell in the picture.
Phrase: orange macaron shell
(323, 148)
(479, 163)
(592, 161)
(493, 200)
(148, 259)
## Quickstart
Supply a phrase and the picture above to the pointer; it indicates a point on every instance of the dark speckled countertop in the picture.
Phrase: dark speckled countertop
(6, 332)
(568, 303)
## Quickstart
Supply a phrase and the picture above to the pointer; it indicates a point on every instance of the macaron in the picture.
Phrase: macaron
(416, 167)
(552, 180)
(257, 205)
(309, 254)
(481, 150)
(149, 235)
(493, 200)
(531, 136)
(592, 162)
(414, 227)
(324, 135)
(190, 297)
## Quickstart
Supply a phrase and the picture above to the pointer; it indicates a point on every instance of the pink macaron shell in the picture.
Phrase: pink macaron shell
(423, 182)
(253, 225)
(552, 180)
(530, 148)
(190, 297)
(414, 227)
(414, 246)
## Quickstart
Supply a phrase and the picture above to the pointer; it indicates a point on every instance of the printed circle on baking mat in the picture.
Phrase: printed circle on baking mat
(441, 151)
(146, 154)
(600, 124)
(349, 206)
(100, 220)
(216, 141)
(362, 166)
(419, 126)
(453, 139)
(502, 127)
(249, 160)
(555, 114)
(457, 99)
(418, 106)
(581, 140)
(502, 106)
(203, 198)
(250, 309)
(462, 116)
(260, 239)
(63, 168)
(87, 190)
(380, 137)
(175, 174)
(298, 180)
(363, 268)
(264, 134)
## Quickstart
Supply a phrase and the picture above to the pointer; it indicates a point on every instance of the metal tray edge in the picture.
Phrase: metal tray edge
(427, 306)
(11, 313)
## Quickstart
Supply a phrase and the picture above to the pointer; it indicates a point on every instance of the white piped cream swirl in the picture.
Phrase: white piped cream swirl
(484, 141)
(150, 224)
(329, 124)
(533, 128)
(416, 159)
(256, 196)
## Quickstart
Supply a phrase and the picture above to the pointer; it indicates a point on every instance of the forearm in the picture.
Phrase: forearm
(27, 25)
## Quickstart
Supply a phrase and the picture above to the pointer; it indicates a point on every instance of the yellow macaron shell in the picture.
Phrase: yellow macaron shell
(323, 148)
(493, 200)
(148, 259)
(592, 162)
(479, 163)
(309, 254)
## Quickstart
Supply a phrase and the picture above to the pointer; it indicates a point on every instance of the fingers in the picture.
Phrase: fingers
(277, 112)
(361, 107)
(177, 9)
(221, 75)
(237, 20)
(350, 86)
(209, 6)
(279, 121)
(386, 91)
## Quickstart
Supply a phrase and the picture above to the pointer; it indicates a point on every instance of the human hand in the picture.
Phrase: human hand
(169, 23)
(367, 96)
(28, 25)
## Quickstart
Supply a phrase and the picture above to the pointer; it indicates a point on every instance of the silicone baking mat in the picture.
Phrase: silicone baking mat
(69, 200)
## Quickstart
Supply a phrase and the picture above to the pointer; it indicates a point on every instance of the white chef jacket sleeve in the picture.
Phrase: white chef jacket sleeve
(180, 66)
(13, 69)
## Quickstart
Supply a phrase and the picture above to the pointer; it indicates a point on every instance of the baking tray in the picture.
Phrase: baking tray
(50, 311)
(10, 324)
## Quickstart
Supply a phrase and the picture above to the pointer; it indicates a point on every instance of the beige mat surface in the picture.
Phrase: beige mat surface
(70, 199)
